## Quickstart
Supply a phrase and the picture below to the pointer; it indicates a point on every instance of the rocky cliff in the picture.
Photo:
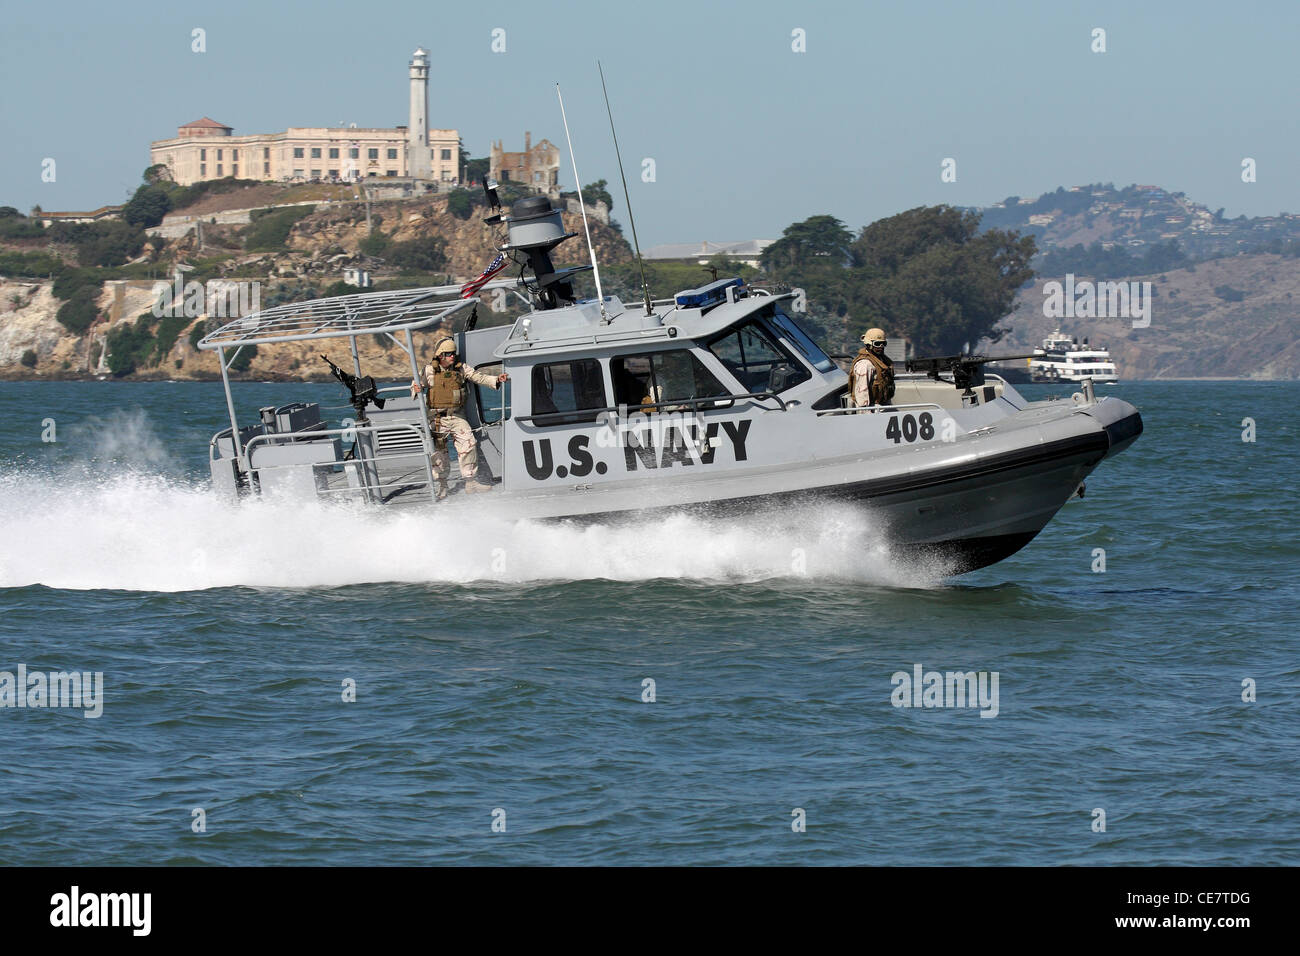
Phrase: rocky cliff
(318, 249)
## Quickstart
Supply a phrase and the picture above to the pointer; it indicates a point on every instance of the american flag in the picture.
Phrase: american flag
(473, 285)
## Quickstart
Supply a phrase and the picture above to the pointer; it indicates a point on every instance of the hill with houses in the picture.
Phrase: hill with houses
(1137, 218)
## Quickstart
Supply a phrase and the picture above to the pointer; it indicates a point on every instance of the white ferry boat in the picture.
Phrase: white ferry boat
(1063, 359)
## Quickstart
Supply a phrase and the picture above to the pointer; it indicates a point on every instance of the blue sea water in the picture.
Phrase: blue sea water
(500, 667)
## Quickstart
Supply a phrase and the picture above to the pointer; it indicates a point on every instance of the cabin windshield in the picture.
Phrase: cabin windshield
(760, 363)
(799, 339)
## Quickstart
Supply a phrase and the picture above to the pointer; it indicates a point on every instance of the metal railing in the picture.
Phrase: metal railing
(875, 409)
(586, 338)
(366, 483)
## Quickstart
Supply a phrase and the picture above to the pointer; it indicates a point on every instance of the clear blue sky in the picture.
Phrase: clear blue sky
(747, 136)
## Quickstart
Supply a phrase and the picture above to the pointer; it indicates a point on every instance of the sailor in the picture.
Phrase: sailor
(871, 382)
(445, 389)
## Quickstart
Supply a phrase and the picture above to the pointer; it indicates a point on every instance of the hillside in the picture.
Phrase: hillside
(304, 251)
(1195, 331)
(1227, 291)
(1135, 218)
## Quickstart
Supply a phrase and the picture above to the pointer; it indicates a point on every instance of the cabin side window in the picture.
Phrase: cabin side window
(568, 393)
(759, 362)
(658, 377)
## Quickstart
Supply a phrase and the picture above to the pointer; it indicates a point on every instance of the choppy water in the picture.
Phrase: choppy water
(500, 666)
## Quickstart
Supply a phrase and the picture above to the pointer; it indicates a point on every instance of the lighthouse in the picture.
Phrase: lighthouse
(419, 158)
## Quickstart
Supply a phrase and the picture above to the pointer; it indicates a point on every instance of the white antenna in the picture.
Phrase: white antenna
(600, 296)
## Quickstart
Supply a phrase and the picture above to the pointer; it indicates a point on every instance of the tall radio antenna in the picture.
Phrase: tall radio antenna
(600, 296)
(626, 198)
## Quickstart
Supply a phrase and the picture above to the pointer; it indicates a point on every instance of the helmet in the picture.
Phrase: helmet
(874, 336)
(444, 346)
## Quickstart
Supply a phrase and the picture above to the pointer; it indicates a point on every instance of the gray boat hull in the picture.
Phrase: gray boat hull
(966, 509)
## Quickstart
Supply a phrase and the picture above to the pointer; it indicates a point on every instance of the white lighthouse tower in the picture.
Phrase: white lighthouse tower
(419, 158)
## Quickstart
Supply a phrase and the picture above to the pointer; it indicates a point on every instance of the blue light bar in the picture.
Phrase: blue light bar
(707, 295)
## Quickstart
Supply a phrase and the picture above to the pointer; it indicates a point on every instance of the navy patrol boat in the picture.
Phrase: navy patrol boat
(714, 400)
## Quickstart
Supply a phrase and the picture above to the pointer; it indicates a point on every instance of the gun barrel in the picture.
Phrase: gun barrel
(945, 362)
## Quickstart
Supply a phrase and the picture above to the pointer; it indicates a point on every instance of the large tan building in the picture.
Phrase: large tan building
(206, 149)
(537, 167)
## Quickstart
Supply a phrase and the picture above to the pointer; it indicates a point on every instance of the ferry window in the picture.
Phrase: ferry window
(800, 339)
(662, 377)
(490, 399)
(566, 393)
(759, 362)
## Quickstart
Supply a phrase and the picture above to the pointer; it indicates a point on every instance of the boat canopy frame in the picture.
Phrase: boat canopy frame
(345, 316)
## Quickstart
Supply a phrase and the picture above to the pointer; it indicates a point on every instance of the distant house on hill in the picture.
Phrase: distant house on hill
(95, 215)
(746, 251)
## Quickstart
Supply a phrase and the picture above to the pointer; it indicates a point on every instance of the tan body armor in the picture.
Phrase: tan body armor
(445, 390)
(882, 383)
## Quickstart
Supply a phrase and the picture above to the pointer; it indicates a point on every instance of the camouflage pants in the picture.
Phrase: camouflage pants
(457, 430)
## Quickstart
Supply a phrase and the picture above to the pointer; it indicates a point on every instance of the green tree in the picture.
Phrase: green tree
(80, 311)
(29, 358)
(129, 345)
(375, 244)
(815, 255)
(596, 192)
(820, 242)
(269, 229)
(338, 288)
(109, 243)
(928, 273)
(424, 254)
(148, 206)
(244, 359)
(460, 203)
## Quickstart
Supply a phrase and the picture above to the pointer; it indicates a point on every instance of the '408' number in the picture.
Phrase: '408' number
(912, 428)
